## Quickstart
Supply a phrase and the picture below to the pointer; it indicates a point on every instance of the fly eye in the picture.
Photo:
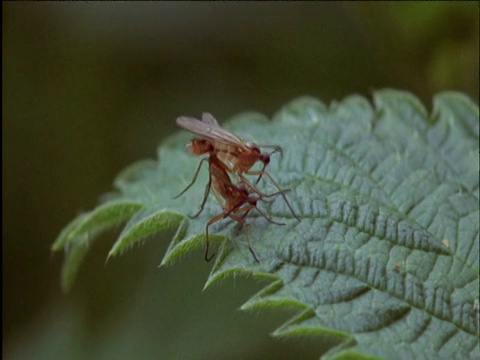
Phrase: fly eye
(265, 158)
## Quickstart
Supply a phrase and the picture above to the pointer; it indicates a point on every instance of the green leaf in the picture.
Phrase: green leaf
(91, 224)
(76, 237)
(384, 263)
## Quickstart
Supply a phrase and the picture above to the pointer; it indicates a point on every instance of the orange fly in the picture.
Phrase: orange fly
(235, 200)
(237, 155)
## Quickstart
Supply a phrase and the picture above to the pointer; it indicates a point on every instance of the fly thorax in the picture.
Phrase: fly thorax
(200, 147)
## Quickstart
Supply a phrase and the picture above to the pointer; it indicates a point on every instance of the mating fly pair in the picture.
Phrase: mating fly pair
(228, 154)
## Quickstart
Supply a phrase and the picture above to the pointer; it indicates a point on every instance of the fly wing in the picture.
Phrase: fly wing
(208, 118)
(209, 130)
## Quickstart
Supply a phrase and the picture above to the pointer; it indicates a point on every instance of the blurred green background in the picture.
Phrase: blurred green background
(89, 88)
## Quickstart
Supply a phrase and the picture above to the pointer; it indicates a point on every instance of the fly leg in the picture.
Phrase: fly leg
(241, 220)
(207, 240)
(205, 197)
(281, 191)
(193, 181)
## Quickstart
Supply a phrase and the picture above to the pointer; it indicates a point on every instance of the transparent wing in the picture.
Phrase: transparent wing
(208, 118)
(210, 130)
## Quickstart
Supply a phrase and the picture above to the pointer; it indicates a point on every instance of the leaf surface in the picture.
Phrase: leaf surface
(385, 261)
